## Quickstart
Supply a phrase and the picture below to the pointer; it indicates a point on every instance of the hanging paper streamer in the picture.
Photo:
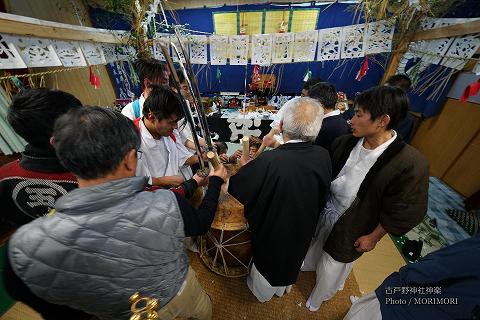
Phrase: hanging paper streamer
(69, 53)
(238, 50)
(219, 75)
(307, 75)
(305, 46)
(471, 90)
(218, 50)
(462, 48)
(379, 37)
(262, 49)
(283, 47)
(10, 57)
(94, 79)
(198, 49)
(160, 39)
(363, 69)
(352, 41)
(35, 52)
(93, 53)
(329, 44)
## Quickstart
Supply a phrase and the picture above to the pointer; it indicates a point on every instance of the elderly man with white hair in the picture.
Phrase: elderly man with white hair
(283, 192)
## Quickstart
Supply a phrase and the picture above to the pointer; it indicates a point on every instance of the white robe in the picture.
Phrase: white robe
(331, 274)
(162, 157)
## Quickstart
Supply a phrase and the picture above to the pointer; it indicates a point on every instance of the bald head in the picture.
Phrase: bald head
(302, 119)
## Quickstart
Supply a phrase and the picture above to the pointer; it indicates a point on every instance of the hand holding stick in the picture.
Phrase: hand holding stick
(246, 149)
(268, 137)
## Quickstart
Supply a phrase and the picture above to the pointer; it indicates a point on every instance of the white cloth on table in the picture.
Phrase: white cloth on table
(128, 112)
(260, 287)
(365, 308)
(162, 157)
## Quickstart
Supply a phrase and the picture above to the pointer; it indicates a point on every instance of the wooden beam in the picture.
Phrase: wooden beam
(449, 31)
(25, 26)
(395, 60)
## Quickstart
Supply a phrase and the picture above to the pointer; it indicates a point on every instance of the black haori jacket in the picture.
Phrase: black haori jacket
(394, 193)
(283, 191)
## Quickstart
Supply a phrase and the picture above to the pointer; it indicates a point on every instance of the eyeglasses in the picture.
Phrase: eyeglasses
(139, 154)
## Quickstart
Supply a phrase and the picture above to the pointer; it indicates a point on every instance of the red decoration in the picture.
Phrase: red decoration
(471, 90)
(94, 78)
(363, 70)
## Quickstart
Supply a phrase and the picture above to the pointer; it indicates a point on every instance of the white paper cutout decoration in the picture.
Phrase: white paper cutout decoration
(218, 50)
(164, 39)
(283, 47)
(238, 50)
(352, 41)
(262, 49)
(93, 53)
(305, 46)
(174, 40)
(9, 56)
(198, 49)
(125, 52)
(69, 53)
(379, 37)
(109, 52)
(463, 48)
(35, 52)
(329, 44)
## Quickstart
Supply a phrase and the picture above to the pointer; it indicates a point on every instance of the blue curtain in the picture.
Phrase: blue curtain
(341, 73)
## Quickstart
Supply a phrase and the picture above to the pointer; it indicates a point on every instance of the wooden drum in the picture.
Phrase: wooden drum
(226, 248)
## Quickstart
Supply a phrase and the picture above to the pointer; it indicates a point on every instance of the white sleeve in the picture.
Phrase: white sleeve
(142, 170)
(127, 111)
(183, 153)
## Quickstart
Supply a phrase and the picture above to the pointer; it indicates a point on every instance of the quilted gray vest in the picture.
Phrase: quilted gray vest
(104, 243)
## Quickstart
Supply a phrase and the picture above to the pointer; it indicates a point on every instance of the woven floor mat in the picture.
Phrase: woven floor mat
(232, 299)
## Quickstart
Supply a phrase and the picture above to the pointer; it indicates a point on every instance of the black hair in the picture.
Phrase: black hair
(33, 112)
(325, 93)
(147, 68)
(381, 100)
(401, 81)
(91, 142)
(163, 102)
(221, 147)
(310, 82)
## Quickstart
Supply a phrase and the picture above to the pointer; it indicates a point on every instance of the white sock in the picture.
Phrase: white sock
(310, 306)
(353, 299)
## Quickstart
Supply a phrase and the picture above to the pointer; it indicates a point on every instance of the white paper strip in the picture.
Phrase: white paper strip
(329, 44)
(35, 52)
(218, 50)
(9, 56)
(198, 49)
(379, 37)
(174, 40)
(109, 52)
(262, 49)
(283, 47)
(305, 46)
(161, 38)
(238, 51)
(352, 44)
(69, 53)
(93, 53)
